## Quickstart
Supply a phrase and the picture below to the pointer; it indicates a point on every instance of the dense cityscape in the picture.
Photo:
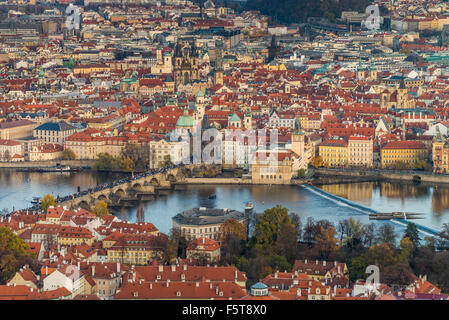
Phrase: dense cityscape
(319, 103)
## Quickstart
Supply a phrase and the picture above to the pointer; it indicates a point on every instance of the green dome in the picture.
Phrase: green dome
(185, 121)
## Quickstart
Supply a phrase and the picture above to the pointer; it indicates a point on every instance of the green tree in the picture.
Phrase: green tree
(13, 254)
(301, 173)
(268, 226)
(412, 233)
(167, 161)
(47, 201)
(68, 154)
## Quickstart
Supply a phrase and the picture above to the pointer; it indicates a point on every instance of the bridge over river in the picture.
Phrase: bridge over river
(142, 186)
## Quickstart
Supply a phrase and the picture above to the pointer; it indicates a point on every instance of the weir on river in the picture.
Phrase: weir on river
(365, 210)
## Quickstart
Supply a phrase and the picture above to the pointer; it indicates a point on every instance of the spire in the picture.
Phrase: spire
(402, 84)
(298, 129)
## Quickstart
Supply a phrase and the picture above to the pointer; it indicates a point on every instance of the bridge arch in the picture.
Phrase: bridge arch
(137, 185)
(102, 197)
(154, 181)
(171, 177)
(120, 192)
(83, 204)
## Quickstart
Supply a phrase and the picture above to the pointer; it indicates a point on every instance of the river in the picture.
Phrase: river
(18, 188)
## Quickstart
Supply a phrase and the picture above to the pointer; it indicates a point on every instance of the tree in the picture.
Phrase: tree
(412, 233)
(167, 161)
(232, 226)
(406, 251)
(7, 156)
(385, 234)
(68, 154)
(296, 220)
(301, 173)
(397, 274)
(268, 226)
(317, 162)
(47, 201)
(13, 254)
(325, 242)
(287, 242)
(232, 238)
(49, 241)
(439, 267)
(101, 208)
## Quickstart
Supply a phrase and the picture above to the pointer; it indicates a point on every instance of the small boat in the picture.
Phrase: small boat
(36, 200)
(212, 196)
(249, 206)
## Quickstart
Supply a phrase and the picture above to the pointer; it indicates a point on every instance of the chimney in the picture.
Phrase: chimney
(93, 270)
(173, 268)
(324, 263)
(197, 284)
(46, 270)
(235, 274)
(161, 268)
(151, 286)
(276, 274)
(204, 240)
(316, 262)
(305, 261)
(185, 267)
(168, 282)
(118, 267)
(79, 265)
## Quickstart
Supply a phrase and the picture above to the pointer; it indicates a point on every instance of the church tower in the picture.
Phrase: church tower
(297, 139)
(219, 72)
(248, 119)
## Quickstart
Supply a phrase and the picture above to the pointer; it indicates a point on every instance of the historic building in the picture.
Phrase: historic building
(186, 64)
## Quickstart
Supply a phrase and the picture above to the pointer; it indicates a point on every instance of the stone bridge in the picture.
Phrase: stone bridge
(134, 190)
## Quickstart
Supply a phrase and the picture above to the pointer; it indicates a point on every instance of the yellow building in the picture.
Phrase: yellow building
(360, 151)
(133, 249)
(403, 152)
(334, 152)
(274, 167)
(74, 236)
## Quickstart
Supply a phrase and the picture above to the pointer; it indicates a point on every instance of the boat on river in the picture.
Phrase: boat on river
(394, 215)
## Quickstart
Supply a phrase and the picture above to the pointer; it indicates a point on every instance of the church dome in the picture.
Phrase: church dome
(185, 121)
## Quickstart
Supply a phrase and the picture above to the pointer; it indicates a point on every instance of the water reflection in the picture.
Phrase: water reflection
(18, 188)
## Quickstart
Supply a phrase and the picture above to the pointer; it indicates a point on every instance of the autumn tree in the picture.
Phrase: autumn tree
(326, 242)
(68, 154)
(47, 201)
(406, 250)
(13, 254)
(317, 162)
(397, 274)
(287, 242)
(101, 208)
(232, 237)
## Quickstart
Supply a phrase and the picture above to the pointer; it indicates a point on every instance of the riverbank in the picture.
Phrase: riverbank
(50, 163)
(337, 176)
(241, 181)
